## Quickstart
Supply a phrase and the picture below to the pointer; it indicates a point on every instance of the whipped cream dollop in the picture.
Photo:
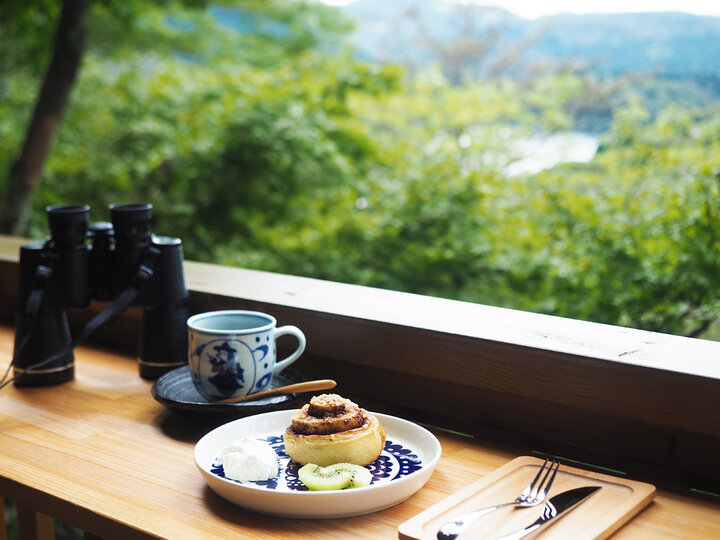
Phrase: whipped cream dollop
(250, 460)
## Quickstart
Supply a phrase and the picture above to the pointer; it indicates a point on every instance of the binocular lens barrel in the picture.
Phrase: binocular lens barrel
(68, 224)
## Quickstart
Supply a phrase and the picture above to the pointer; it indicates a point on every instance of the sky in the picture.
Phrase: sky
(531, 9)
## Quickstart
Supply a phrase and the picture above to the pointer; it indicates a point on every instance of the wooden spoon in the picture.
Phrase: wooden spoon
(307, 386)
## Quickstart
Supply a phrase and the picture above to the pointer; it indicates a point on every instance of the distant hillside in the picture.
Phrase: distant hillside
(675, 44)
(415, 32)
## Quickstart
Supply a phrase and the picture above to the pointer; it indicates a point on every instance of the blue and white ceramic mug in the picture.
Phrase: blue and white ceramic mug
(232, 353)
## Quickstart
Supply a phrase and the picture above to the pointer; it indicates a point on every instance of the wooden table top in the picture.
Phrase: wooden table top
(100, 453)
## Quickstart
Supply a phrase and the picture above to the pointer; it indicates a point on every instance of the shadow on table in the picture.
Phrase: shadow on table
(232, 513)
(187, 427)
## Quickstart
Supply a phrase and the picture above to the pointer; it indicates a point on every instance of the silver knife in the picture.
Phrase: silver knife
(553, 508)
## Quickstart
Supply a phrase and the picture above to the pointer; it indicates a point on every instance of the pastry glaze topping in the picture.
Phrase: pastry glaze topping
(330, 430)
(327, 414)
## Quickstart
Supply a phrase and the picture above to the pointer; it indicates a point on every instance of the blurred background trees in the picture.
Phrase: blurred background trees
(264, 141)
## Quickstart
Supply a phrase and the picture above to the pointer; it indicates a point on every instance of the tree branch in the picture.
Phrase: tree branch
(26, 171)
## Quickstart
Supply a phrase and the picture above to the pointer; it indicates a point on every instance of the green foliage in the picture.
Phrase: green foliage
(261, 145)
(628, 239)
(27, 33)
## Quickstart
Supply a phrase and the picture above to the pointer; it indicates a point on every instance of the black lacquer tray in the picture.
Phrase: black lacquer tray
(177, 392)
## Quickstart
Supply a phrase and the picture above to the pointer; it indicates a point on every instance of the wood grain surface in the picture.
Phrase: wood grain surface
(630, 400)
(99, 453)
(616, 502)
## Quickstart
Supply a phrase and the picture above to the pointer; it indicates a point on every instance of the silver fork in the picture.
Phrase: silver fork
(532, 495)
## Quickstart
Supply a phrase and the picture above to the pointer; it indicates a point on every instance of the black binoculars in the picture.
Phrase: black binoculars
(119, 262)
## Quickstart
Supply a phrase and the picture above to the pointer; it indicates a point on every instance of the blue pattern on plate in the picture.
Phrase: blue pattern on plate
(395, 461)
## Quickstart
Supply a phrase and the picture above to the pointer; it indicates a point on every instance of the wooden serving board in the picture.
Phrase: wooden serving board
(600, 515)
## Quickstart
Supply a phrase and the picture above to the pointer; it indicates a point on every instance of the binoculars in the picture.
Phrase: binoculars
(119, 262)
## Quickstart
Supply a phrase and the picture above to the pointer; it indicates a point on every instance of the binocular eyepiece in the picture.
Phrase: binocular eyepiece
(131, 223)
(119, 262)
(68, 224)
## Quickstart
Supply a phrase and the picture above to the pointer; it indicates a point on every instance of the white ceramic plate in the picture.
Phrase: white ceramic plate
(409, 458)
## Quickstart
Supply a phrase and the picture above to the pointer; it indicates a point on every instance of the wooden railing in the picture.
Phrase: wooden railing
(642, 403)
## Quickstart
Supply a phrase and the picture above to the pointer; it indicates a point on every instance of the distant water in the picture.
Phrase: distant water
(544, 151)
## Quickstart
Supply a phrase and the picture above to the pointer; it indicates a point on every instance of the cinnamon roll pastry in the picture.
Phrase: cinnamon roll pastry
(331, 429)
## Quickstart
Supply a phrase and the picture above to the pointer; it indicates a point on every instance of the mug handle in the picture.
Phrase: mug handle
(295, 331)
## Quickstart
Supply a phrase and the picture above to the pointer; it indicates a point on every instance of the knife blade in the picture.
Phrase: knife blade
(553, 508)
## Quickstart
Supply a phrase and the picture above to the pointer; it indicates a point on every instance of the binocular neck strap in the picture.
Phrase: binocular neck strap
(125, 299)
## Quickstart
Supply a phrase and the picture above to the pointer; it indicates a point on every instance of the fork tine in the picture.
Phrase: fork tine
(544, 487)
(537, 489)
(529, 489)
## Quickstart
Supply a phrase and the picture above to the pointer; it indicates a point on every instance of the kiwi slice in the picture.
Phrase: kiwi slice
(361, 477)
(337, 476)
(318, 478)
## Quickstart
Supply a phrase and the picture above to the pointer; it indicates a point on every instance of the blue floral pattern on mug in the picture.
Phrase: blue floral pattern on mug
(395, 461)
(233, 365)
